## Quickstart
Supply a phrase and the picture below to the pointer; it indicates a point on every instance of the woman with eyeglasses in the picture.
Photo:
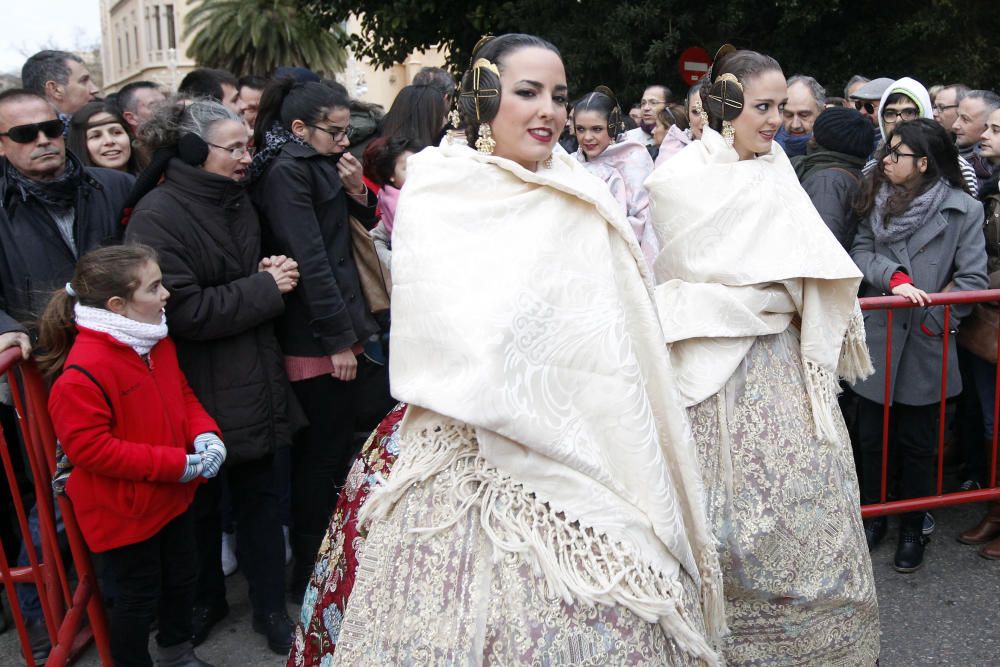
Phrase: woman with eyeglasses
(921, 233)
(907, 99)
(307, 187)
(224, 298)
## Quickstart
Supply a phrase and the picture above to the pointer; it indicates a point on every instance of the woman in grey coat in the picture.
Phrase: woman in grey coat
(921, 233)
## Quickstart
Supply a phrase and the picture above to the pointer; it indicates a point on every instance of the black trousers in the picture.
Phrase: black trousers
(260, 547)
(155, 577)
(913, 433)
(324, 452)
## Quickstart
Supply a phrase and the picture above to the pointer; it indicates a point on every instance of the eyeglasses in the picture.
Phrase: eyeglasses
(892, 115)
(25, 134)
(651, 103)
(337, 133)
(942, 108)
(867, 106)
(894, 155)
(236, 153)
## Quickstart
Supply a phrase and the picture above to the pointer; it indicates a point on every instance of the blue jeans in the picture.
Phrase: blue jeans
(27, 594)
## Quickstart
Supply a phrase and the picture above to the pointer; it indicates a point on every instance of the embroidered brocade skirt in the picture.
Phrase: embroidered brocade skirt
(450, 597)
(784, 506)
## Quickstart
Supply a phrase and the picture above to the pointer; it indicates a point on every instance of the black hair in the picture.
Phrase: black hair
(205, 82)
(668, 95)
(126, 96)
(80, 123)
(606, 106)
(437, 78)
(46, 66)
(722, 100)
(251, 81)
(496, 51)
(926, 138)
(898, 97)
(381, 155)
(286, 100)
(417, 113)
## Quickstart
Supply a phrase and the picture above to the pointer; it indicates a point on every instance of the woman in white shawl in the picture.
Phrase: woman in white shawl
(758, 303)
(545, 507)
(621, 163)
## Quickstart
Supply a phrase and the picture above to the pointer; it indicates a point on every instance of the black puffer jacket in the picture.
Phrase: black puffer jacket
(221, 308)
(304, 212)
(34, 258)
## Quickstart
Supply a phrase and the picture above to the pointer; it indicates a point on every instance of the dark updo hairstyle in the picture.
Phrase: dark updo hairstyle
(926, 138)
(80, 123)
(286, 100)
(603, 101)
(496, 51)
(100, 274)
(381, 155)
(742, 64)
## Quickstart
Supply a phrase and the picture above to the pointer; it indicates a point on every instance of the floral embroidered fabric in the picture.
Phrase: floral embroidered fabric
(784, 506)
(318, 628)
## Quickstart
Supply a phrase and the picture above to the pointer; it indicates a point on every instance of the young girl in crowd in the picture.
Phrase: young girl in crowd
(671, 132)
(385, 165)
(921, 233)
(139, 442)
(623, 165)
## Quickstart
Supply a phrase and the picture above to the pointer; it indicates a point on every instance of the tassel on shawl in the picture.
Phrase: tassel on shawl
(577, 564)
(855, 362)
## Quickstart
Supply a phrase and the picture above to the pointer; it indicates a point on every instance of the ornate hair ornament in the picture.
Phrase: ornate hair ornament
(478, 92)
(615, 124)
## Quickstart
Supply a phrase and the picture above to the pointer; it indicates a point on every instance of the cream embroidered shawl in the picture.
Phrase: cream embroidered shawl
(744, 250)
(522, 306)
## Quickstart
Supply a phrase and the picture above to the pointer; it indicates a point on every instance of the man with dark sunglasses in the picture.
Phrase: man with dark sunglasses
(866, 98)
(52, 210)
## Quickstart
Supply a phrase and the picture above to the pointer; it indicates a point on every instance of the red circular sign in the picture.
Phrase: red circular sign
(693, 64)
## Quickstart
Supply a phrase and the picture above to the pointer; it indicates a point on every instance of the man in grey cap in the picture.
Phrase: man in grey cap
(866, 98)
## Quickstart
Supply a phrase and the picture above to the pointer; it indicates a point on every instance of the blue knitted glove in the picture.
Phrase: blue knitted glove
(193, 468)
(213, 453)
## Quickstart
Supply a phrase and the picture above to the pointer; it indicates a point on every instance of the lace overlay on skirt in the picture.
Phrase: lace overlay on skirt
(784, 506)
(451, 596)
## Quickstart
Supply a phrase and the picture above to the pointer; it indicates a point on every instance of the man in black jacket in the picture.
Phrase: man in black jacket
(52, 209)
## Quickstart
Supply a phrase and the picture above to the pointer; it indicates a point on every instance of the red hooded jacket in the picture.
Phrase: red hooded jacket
(127, 443)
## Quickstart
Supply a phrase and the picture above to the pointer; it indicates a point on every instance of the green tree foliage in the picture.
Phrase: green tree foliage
(256, 36)
(627, 44)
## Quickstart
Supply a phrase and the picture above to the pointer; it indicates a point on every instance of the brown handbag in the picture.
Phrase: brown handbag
(376, 285)
(978, 332)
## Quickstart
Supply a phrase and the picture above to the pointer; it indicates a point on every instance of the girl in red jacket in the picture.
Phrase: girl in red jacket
(139, 442)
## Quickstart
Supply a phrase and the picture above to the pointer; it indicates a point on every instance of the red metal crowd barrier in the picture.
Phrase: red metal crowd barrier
(64, 607)
(940, 499)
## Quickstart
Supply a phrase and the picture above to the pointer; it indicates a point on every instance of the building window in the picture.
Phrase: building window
(159, 29)
(171, 36)
(135, 34)
(128, 50)
(121, 59)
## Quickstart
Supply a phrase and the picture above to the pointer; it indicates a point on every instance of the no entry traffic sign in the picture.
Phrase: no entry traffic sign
(693, 64)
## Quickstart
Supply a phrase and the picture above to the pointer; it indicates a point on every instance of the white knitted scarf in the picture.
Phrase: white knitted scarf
(140, 336)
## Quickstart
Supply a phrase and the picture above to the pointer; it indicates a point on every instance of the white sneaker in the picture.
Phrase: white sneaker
(229, 563)
(288, 546)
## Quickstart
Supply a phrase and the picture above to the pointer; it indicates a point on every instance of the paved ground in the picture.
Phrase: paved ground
(944, 614)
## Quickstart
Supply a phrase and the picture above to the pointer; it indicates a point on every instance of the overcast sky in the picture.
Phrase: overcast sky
(28, 26)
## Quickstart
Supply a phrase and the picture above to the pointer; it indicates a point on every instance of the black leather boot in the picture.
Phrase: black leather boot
(909, 550)
(875, 531)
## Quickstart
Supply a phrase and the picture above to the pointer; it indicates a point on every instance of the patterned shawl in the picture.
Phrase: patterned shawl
(522, 307)
(744, 252)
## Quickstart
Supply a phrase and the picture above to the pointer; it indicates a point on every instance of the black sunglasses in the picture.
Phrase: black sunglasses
(867, 106)
(25, 134)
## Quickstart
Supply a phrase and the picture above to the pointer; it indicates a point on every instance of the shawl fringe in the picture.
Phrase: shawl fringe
(855, 360)
(576, 563)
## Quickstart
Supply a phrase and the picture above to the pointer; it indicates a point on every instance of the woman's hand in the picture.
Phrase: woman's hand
(345, 365)
(917, 296)
(284, 270)
(350, 174)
